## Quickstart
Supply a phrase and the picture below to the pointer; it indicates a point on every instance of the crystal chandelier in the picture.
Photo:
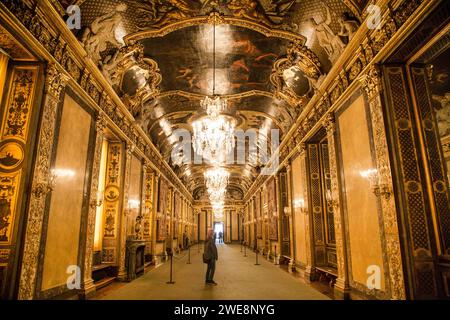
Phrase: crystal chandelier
(214, 105)
(214, 138)
(216, 178)
(218, 213)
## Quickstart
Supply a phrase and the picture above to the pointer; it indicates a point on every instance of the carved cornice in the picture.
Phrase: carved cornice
(330, 123)
(198, 96)
(101, 122)
(55, 81)
(371, 82)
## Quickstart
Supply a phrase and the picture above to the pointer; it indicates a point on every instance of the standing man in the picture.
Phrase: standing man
(209, 257)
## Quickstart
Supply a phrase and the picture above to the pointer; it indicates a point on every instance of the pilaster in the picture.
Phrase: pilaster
(55, 82)
(122, 274)
(341, 287)
(372, 85)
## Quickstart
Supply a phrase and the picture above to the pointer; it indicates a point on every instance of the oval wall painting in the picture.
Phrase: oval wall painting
(11, 156)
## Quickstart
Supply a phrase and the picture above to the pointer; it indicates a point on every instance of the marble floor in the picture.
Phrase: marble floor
(237, 276)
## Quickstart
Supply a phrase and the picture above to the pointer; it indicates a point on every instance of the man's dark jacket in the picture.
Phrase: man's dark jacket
(210, 251)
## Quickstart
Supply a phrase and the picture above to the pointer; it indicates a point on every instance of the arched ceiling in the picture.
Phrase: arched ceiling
(269, 60)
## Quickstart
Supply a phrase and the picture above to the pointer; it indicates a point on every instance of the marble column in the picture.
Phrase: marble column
(55, 82)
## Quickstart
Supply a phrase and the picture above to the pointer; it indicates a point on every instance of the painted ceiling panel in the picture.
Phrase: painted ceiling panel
(270, 56)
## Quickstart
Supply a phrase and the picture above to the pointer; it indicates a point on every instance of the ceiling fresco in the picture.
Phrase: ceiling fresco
(270, 57)
(244, 59)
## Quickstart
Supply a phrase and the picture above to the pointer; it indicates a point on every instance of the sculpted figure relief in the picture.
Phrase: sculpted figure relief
(348, 25)
(328, 40)
(443, 114)
(103, 31)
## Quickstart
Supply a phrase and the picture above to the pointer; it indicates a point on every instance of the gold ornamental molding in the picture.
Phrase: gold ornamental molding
(199, 96)
(215, 17)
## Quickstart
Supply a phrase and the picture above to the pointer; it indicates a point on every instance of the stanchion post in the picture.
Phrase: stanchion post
(276, 262)
(171, 269)
(189, 255)
(257, 252)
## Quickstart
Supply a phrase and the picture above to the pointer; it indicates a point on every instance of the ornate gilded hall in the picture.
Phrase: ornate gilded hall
(306, 141)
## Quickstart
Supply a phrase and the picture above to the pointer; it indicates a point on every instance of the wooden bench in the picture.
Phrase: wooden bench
(328, 274)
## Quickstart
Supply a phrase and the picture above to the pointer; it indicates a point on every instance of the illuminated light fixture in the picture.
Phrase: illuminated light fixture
(216, 178)
(213, 135)
(214, 105)
(133, 204)
(214, 138)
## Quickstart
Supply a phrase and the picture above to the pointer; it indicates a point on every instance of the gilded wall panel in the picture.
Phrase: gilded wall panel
(9, 188)
(149, 178)
(15, 125)
(298, 192)
(134, 195)
(163, 202)
(111, 206)
(361, 204)
(112, 190)
(234, 226)
(66, 205)
(20, 100)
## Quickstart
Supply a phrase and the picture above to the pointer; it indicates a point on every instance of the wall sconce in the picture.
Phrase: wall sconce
(299, 204)
(133, 204)
(287, 211)
(98, 202)
(377, 188)
(48, 185)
